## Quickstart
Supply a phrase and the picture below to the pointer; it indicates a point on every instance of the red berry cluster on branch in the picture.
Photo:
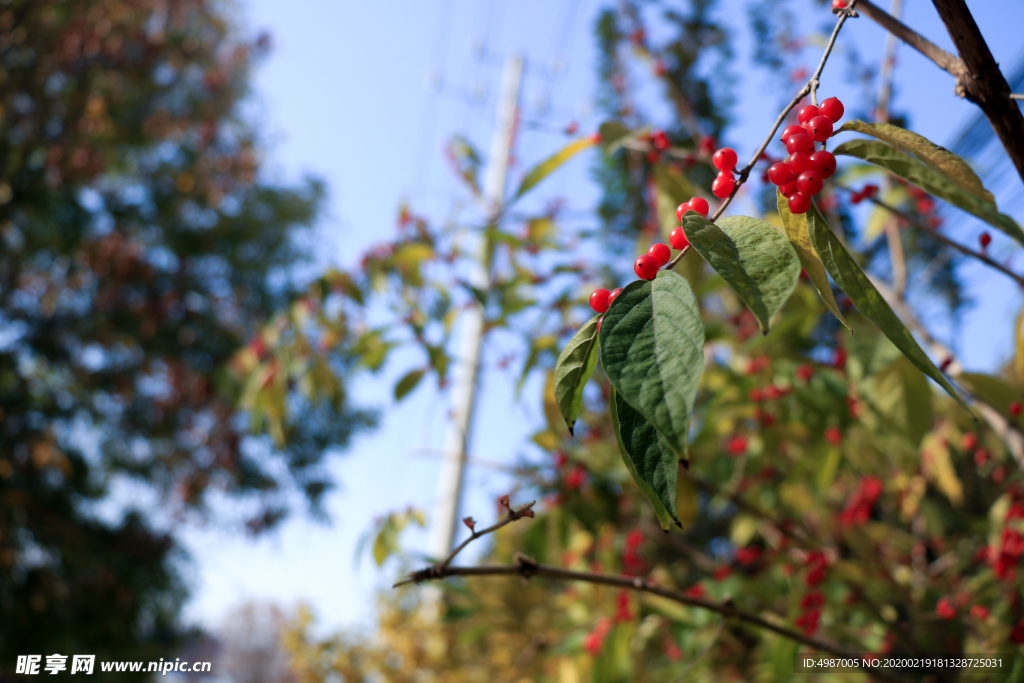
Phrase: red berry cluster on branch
(725, 161)
(802, 174)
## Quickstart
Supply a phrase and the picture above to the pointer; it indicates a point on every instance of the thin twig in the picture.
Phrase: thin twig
(678, 258)
(707, 647)
(510, 516)
(811, 87)
(528, 568)
(944, 60)
(935, 234)
(1016, 96)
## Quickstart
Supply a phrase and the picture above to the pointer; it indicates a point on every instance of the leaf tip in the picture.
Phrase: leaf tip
(571, 427)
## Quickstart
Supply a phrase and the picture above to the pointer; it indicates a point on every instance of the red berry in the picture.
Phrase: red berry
(800, 142)
(870, 190)
(985, 240)
(599, 300)
(660, 253)
(821, 128)
(599, 323)
(799, 162)
(780, 174)
(677, 238)
(837, 4)
(832, 107)
(724, 159)
(700, 205)
(834, 436)
(660, 140)
(1015, 409)
(789, 188)
(645, 267)
(789, 130)
(824, 163)
(799, 203)
(945, 609)
(706, 144)
(681, 209)
(614, 293)
(809, 183)
(807, 113)
(723, 184)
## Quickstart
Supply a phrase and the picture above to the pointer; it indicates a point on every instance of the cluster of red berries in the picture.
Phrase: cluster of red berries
(632, 563)
(647, 265)
(866, 192)
(1005, 557)
(858, 508)
(810, 606)
(594, 640)
(725, 161)
(801, 175)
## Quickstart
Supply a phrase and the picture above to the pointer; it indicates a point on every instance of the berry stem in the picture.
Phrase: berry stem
(811, 87)
(678, 258)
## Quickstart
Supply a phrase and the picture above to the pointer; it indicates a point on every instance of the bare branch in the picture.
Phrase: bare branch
(944, 60)
(528, 568)
(935, 234)
(977, 73)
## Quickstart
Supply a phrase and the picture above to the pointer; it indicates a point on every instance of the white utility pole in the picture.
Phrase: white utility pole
(466, 365)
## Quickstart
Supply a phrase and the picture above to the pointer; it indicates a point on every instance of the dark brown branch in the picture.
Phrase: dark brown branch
(511, 516)
(983, 83)
(977, 74)
(942, 59)
(528, 568)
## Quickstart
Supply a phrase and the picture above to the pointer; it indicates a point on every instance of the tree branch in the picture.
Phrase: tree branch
(935, 234)
(528, 568)
(944, 60)
(977, 73)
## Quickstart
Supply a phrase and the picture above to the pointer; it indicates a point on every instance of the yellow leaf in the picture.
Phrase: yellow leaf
(938, 467)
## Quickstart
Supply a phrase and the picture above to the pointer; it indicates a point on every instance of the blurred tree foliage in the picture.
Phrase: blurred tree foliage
(139, 249)
(830, 488)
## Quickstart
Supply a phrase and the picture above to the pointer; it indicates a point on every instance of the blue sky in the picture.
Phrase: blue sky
(344, 95)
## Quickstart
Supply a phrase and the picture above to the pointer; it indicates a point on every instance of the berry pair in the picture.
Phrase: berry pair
(801, 175)
(646, 265)
(677, 238)
(725, 161)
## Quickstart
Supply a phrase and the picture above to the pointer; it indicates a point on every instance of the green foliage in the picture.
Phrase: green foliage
(751, 256)
(650, 462)
(652, 349)
(139, 255)
(573, 369)
(902, 165)
(799, 236)
(851, 279)
(552, 163)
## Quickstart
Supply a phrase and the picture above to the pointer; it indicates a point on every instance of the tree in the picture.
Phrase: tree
(842, 483)
(140, 250)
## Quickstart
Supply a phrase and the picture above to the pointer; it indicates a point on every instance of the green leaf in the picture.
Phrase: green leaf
(573, 368)
(650, 462)
(544, 168)
(901, 164)
(795, 226)
(408, 383)
(993, 391)
(852, 280)
(755, 259)
(652, 349)
(614, 135)
(937, 158)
